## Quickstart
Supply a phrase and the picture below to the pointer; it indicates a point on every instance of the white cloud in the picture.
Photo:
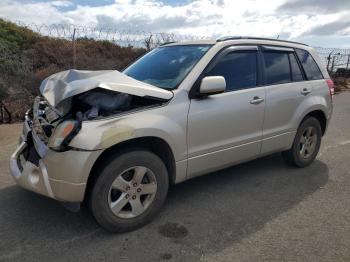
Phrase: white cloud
(40, 13)
(61, 3)
(209, 18)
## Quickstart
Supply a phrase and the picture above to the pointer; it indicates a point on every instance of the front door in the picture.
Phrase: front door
(226, 128)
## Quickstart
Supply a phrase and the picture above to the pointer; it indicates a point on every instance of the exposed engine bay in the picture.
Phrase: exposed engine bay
(100, 103)
(91, 105)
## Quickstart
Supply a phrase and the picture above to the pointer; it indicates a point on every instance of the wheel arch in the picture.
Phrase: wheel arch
(156, 145)
(320, 116)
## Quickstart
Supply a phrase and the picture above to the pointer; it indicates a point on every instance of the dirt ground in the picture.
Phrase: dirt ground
(9, 136)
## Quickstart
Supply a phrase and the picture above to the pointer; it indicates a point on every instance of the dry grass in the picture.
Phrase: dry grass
(341, 84)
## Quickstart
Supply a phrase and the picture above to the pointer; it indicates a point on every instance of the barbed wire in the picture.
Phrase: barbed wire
(334, 57)
(121, 37)
(328, 50)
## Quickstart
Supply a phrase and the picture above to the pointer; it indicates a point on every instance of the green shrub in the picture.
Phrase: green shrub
(26, 58)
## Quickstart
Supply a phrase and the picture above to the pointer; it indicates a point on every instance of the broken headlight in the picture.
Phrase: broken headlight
(64, 133)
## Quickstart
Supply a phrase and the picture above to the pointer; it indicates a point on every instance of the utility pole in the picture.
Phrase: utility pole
(74, 50)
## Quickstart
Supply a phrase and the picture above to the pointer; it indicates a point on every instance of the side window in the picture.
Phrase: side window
(311, 69)
(297, 75)
(239, 69)
(277, 70)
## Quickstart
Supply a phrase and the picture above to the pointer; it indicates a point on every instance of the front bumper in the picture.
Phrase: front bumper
(58, 175)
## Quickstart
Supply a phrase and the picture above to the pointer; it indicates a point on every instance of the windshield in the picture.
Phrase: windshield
(167, 66)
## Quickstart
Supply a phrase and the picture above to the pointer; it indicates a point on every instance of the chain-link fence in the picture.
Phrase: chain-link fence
(336, 60)
(31, 52)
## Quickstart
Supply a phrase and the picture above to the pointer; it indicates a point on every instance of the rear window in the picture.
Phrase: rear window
(311, 69)
(277, 70)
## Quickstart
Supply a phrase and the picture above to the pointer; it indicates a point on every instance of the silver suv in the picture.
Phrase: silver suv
(118, 139)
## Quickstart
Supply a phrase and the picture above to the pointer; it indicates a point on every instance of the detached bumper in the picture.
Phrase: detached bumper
(58, 175)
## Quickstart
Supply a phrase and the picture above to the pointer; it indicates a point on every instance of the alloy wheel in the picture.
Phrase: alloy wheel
(308, 142)
(132, 192)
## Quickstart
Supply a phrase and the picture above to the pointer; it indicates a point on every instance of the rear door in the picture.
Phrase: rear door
(286, 89)
(313, 75)
(226, 128)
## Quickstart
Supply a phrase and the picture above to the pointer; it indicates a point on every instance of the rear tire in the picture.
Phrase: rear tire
(306, 144)
(129, 191)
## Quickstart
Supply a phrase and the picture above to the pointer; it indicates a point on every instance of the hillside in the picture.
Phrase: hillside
(26, 58)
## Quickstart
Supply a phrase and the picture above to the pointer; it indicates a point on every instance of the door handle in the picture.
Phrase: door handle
(256, 100)
(305, 91)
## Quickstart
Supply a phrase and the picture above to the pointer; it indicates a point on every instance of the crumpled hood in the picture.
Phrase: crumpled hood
(65, 84)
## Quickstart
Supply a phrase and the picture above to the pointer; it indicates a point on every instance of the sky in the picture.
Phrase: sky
(323, 23)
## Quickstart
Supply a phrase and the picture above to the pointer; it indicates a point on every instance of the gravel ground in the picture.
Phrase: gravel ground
(258, 211)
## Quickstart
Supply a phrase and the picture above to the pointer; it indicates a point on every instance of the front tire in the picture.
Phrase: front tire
(129, 191)
(306, 144)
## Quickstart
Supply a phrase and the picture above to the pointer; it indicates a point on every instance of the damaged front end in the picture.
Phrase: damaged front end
(71, 97)
(44, 161)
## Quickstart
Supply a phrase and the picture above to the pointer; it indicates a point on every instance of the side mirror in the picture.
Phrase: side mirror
(212, 85)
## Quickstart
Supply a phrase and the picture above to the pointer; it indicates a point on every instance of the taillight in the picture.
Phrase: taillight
(330, 87)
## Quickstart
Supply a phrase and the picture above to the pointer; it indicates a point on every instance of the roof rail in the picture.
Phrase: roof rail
(166, 43)
(225, 38)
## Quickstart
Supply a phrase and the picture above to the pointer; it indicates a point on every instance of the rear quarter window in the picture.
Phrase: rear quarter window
(311, 68)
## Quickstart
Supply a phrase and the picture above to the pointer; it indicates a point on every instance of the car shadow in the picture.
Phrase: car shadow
(201, 216)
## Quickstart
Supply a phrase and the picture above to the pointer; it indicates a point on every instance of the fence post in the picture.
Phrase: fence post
(346, 74)
(329, 60)
(332, 68)
(74, 50)
(1, 114)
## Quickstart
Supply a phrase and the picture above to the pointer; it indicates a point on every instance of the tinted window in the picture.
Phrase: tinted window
(167, 66)
(297, 75)
(277, 69)
(310, 67)
(238, 69)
